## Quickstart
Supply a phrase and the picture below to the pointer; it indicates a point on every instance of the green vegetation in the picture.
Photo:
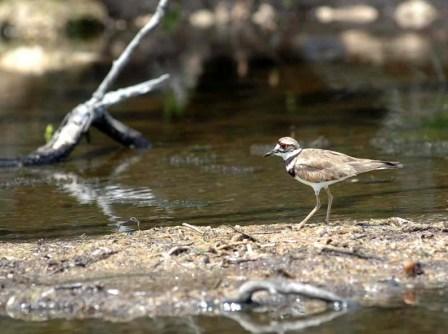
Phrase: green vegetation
(172, 18)
(172, 107)
(49, 131)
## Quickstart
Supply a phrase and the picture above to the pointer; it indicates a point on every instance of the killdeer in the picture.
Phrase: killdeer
(321, 168)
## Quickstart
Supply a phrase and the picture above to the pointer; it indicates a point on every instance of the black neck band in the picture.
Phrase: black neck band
(291, 158)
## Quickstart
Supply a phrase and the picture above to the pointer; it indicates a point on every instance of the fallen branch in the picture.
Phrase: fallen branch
(83, 261)
(248, 289)
(243, 234)
(176, 250)
(194, 228)
(348, 252)
(239, 260)
(93, 112)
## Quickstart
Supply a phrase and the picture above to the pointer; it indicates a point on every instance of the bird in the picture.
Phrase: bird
(320, 168)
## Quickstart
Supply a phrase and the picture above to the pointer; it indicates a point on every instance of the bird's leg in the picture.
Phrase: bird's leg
(330, 201)
(312, 211)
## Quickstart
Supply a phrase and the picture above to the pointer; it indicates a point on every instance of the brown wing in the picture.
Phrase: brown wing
(315, 165)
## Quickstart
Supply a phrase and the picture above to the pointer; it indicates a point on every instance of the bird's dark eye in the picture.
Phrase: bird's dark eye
(283, 146)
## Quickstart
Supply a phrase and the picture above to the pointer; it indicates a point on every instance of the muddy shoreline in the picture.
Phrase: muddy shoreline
(180, 270)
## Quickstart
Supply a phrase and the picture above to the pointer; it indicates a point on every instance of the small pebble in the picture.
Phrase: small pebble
(413, 268)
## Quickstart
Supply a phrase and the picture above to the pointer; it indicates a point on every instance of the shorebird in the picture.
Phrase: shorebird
(321, 168)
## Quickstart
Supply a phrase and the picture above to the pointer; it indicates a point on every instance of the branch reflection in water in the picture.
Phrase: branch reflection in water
(252, 325)
(106, 195)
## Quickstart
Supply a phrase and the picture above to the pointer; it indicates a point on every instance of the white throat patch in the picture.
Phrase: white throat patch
(288, 155)
(293, 156)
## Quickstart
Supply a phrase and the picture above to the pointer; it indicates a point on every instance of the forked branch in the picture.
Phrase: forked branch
(94, 111)
(125, 56)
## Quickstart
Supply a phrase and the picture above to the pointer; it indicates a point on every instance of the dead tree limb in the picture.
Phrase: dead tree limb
(248, 289)
(94, 111)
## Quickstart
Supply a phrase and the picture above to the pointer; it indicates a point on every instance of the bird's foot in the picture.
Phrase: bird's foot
(301, 225)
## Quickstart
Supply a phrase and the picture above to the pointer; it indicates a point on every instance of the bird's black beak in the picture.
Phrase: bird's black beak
(269, 153)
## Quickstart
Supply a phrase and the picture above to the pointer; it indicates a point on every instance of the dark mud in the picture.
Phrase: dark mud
(189, 270)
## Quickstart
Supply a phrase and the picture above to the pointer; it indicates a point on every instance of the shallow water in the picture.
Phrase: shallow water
(207, 165)
(416, 318)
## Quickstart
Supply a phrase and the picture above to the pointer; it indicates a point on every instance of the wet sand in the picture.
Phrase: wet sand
(179, 270)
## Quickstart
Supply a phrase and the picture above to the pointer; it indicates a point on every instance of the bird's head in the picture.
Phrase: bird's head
(285, 148)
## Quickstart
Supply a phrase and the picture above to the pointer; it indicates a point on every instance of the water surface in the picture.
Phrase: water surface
(207, 165)
(415, 319)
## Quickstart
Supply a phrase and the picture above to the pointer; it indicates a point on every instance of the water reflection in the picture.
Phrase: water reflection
(103, 193)
(252, 325)
(105, 196)
(368, 320)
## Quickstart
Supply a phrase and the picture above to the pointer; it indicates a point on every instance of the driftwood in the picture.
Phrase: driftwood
(336, 306)
(94, 111)
(248, 289)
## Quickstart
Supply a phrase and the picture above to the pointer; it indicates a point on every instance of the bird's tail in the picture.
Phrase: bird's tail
(363, 166)
(390, 165)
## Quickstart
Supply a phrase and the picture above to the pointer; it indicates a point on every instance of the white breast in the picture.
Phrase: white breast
(291, 165)
(317, 187)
